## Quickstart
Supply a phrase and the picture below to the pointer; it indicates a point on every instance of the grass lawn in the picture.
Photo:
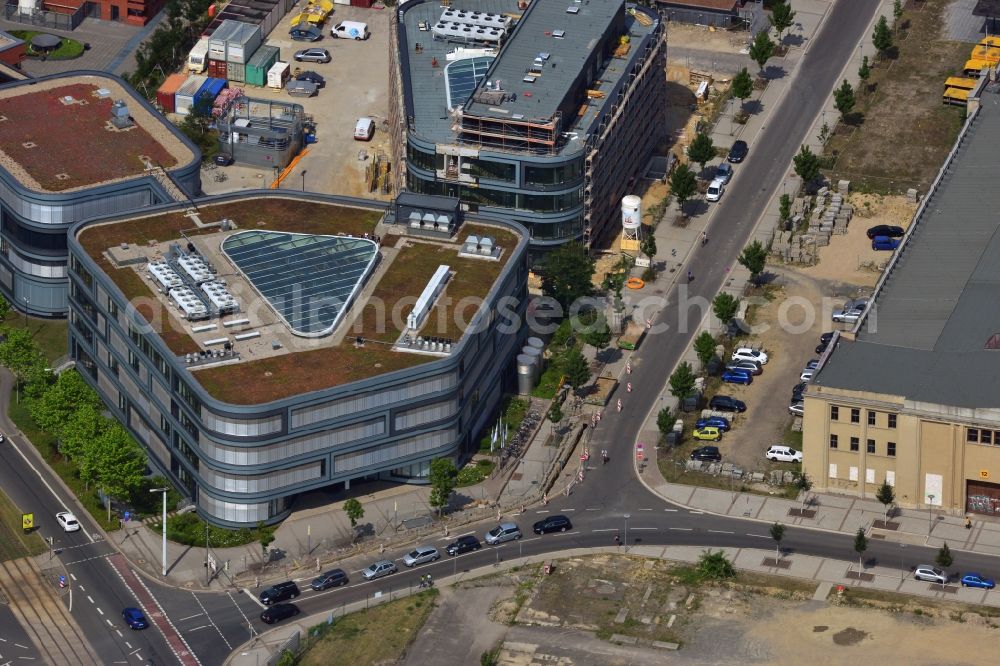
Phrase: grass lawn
(378, 635)
(49, 334)
(476, 471)
(14, 542)
(68, 49)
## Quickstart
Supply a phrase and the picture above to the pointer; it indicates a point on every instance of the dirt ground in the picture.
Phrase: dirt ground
(705, 38)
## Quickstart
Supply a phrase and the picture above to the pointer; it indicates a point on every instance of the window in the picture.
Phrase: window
(985, 436)
(833, 441)
(871, 446)
(855, 443)
(834, 413)
(112, 308)
(855, 416)
(972, 435)
(113, 365)
(122, 402)
(488, 170)
(890, 449)
(892, 420)
(871, 418)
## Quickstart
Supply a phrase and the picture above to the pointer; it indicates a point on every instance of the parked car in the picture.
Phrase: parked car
(885, 243)
(848, 316)
(930, 574)
(720, 422)
(278, 613)
(738, 152)
(552, 524)
(812, 364)
(707, 453)
(134, 618)
(310, 34)
(312, 76)
(503, 532)
(797, 408)
(715, 190)
(724, 172)
(975, 580)
(807, 375)
(279, 592)
(783, 453)
(798, 390)
(707, 433)
(421, 555)
(753, 367)
(821, 347)
(750, 354)
(726, 403)
(463, 544)
(825, 338)
(379, 569)
(68, 521)
(312, 55)
(223, 159)
(737, 377)
(332, 578)
(886, 230)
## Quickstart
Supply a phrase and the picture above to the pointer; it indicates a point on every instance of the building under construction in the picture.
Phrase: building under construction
(261, 132)
(552, 128)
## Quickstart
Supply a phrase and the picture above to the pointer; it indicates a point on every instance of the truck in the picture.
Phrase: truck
(197, 60)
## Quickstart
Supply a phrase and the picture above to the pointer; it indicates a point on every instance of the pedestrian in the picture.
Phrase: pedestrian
(690, 276)
(381, 548)
(704, 237)
(968, 523)
(618, 540)
(499, 515)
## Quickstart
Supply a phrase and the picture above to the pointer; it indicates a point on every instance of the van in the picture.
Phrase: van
(364, 129)
(350, 30)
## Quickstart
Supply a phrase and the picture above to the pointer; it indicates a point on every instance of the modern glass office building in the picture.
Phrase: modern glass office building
(268, 344)
(550, 129)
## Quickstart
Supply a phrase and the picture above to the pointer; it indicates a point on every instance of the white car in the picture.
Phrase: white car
(750, 354)
(783, 453)
(420, 555)
(715, 190)
(797, 408)
(806, 375)
(930, 574)
(68, 521)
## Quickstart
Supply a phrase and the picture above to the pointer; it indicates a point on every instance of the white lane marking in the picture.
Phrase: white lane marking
(645, 509)
(568, 510)
(682, 529)
(109, 622)
(696, 513)
(638, 529)
(759, 536)
(135, 650)
(567, 533)
(204, 626)
(606, 529)
(87, 559)
(258, 601)
(595, 509)
(128, 645)
(238, 607)
(73, 576)
(190, 617)
(671, 510)
(99, 610)
(90, 599)
(720, 532)
(120, 634)
(23, 647)
(545, 511)
(211, 621)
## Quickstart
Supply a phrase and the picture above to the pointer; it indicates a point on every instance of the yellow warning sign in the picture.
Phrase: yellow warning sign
(27, 521)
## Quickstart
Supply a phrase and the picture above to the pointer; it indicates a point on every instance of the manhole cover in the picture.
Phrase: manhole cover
(141, 561)
(189, 584)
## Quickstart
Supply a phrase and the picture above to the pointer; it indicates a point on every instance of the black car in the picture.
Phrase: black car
(223, 159)
(886, 230)
(279, 612)
(552, 524)
(725, 403)
(279, 592)
(312, 77)
(738, 152)
(826, 337)
(334, 578)
(706, 453)
(463, 544)
(798, 390)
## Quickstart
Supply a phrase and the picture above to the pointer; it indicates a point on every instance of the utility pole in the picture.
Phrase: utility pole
(164, 525)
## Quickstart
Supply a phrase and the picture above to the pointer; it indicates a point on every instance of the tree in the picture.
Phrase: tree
(864, 72)
(265, 537)
(777, 533)
(442, 478)
(567, 274)
(704, 347)
(897, 12)
(665, 421)
(119, 463)
(761, 49)
(354, 511)
(715, 566)
(725, 306)
(682, 381)
(701, 150)
(843, 99)
(784, 207)
(882, 37)
(860, 546)
(742, 86)
(68, 394)
(804, 484)
(576, 368)
(19, 354)
(782, 17)
(648, 245)
(555, 413)
(886, 495)
(806, 165)
(80, 430)
(753, 258)
(683, 184)
(597, 334)
(4, 308)
(944, 557)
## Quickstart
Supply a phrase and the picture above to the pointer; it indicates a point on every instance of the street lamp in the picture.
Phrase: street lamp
(164, 525)
(304, 172)
(627, 516)
(901, 569)
(930, 513)
(26, 302)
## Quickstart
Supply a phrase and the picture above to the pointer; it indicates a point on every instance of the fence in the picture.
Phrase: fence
(46, 19)
(291, 645)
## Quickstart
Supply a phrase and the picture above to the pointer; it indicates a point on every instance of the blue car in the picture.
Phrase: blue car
(134, 618)
(885, 243)
(975, 580)
(720, 422)
(737, 377)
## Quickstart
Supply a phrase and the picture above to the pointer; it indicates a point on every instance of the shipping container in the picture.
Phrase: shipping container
(236, 72)
(260, 64)
(277, 75)
(217, 69)
(186, 94)
(166, 92)
(208, 92)
(243, 43)
(273, 11)
(219, 41)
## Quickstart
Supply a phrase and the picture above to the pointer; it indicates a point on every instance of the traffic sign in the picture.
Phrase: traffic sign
(27, 521)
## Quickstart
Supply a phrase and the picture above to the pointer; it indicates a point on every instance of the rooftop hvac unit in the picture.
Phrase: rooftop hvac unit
(119, 115)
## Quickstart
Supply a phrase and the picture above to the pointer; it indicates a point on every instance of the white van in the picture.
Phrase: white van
(350, 30)
(364, 129)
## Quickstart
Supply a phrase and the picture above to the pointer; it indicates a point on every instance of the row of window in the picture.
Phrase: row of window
(856, 416)
(485, 196)
(982, 436)
(890, 447)
(534, 176)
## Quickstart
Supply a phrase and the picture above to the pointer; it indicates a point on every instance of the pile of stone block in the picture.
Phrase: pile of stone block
(794, 248)
(831, 216)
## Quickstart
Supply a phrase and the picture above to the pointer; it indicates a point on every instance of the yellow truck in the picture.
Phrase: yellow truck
(315, 13)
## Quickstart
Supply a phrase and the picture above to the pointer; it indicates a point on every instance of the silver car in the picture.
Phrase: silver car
(421, 555)
(312, 55)
(503, 532)
(378, 569)
(930, 574)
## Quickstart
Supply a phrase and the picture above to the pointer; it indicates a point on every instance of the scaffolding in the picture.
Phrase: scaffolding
(535, 136)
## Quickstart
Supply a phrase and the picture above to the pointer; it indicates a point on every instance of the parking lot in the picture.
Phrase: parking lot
(357, 84)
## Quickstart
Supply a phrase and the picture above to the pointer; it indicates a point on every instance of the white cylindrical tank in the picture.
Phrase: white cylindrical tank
(525, 374)
(536, 354)
(631, 212)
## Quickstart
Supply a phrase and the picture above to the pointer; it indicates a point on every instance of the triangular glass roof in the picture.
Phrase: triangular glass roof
(309, 280)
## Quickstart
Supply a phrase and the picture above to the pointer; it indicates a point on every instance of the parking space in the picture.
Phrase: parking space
(356, 85)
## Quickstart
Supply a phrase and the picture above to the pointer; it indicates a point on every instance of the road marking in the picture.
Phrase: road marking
(109, 622)
(545, 511)
(258, 601)
(682, 529)
(607, 529)
(128, 645)
(566, 533)
(531, 539)
(568, 510)
(74, 578)
(696, 513)
(99, 610)
(90, 599)
(595, 509)
(135, 650)
(720, 532)
(645, 509)
(671, 510)
(211, 621)
(759, 536)
(120, 634)
(190, 617)
(239, 608)
(639, 529)
(87, 559)
(23, 647)
(204, 626)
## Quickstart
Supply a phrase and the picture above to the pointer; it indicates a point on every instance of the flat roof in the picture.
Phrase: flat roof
(271, 362)
(56, 134)
(940, 306)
